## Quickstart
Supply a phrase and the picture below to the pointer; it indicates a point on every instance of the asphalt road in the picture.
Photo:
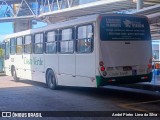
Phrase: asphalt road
(33, 96)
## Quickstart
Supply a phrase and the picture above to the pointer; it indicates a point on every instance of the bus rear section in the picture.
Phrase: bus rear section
(125, 50)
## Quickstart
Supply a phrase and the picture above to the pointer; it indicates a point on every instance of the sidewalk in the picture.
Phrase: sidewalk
(155, 80)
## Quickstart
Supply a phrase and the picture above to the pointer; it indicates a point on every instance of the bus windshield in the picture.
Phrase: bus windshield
(124, 28)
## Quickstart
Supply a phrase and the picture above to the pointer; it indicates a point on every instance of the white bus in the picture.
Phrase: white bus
(89, 51)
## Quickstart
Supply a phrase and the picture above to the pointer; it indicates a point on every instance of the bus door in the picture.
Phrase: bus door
(18, 58)
(85, 57)
(27, 57)
(7, 58)
(66, 57)
(38, 71)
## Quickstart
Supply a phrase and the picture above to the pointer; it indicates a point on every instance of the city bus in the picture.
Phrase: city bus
(88, 51)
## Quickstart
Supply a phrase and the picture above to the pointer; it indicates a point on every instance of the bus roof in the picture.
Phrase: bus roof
(63, 24)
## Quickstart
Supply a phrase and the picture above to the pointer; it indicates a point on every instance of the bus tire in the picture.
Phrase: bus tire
(51, 80)
(16, 79)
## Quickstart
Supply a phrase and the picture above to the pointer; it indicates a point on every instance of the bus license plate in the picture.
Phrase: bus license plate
(127, 68)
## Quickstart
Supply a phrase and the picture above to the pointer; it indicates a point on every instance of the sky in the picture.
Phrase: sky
(7, 28)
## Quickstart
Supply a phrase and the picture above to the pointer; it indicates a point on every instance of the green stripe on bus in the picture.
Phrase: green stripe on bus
(101, 81)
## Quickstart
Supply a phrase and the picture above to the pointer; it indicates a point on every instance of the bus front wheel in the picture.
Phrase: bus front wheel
(51, 80)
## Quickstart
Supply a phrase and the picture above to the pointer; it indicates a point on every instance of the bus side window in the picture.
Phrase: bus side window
(67, 41)
(84, 39)
(28, 44)
(12, 46)
(19, 46)
(7, 50)
(38, 43)
(50, 44)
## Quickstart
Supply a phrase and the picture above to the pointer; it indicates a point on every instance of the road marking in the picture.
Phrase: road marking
(132, 107)
(142, 102)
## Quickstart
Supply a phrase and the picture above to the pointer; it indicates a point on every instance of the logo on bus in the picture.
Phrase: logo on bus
(133, 24)
(34, 61)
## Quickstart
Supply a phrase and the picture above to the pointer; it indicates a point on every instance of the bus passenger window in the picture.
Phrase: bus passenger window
(85, 39)
(19, 47)
(6, 50)
(12, 46)
(38, 45)
(66, 43)
(51, 42)
(28, 44)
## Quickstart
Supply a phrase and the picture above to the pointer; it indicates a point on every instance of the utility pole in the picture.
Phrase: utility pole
(139, 4)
